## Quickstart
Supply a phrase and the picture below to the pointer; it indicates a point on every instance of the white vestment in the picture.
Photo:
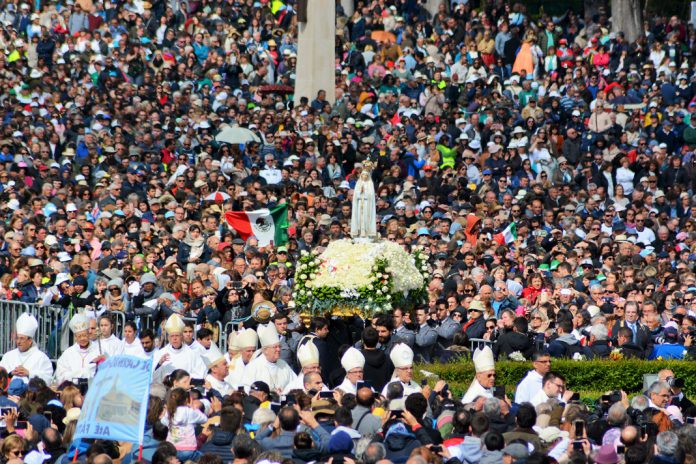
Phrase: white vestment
(277, 375)
(474, 391)
(528, 387)
(134, 349)
(221, 387)
(235, 367)
(76, 363)
(184, 358)
(34, 360)
(111, 346)
(348, 387)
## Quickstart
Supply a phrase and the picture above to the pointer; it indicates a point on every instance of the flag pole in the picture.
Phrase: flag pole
(140, 452)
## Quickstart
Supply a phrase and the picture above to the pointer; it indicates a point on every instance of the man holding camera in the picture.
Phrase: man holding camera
(676, 386)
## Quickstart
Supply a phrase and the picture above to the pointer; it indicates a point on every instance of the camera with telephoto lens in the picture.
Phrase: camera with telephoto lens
(675, 382)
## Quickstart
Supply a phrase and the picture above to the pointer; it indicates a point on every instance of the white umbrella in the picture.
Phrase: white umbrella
(218, 197)
(236, 135)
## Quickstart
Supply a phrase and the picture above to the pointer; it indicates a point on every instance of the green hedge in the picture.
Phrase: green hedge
(590, 378)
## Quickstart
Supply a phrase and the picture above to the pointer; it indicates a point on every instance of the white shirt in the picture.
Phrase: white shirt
(34, 360)
(528, 387)
(277, 375)
(645, 236)
(272, 175)
(76, 363)
(184, 358)
(475, 390)
(409, 388)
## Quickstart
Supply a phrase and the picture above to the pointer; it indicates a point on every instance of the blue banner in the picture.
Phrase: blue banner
(115, 406)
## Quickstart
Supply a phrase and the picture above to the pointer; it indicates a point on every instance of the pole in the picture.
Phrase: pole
(77, 450)
(140, 453)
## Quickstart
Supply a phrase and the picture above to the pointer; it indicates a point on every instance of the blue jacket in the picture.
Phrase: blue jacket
(220, 444)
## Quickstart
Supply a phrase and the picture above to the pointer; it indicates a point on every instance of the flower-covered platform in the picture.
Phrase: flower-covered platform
(360, 278)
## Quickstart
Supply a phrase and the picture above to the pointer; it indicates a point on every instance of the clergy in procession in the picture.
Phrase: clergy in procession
(111, 345)
(216, 364)
(308, 356)
(177, 355)
(402, 357)
(80, 360)
(483, 382)
(246, 342)
(353, 362)
(27, 360)
(268, 367)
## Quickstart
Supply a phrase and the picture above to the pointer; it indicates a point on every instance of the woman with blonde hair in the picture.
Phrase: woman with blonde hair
(71, 397)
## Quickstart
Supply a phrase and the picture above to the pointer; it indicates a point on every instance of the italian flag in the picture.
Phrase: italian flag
(269, 226)
(507, 236)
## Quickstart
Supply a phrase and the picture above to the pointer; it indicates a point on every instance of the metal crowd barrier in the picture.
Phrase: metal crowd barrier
(119, 320)
(479, 343)
(48, 335)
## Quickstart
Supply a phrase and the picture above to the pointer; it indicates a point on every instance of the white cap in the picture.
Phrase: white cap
(268, 335)
(483, 359)
(401, 355)
(593, 310)
(352, 359)
(174, 325)
(62, 277)
(27, 325)
(212, 356)
(71, 207)
(308, 354)
(247, 338)
(79, 323)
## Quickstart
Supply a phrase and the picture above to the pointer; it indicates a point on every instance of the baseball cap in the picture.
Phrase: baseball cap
(260, 387)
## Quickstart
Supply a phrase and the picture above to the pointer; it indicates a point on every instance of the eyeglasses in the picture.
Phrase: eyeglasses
(490, 327)
(17, 452)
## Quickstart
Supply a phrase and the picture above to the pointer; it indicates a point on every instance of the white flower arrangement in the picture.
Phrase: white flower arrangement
(517, 356)
(366, 277)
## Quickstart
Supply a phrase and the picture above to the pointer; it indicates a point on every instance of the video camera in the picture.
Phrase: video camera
(675, 382)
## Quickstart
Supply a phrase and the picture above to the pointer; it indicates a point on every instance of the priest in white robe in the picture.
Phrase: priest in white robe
(353, 362)
(247, 341)
(402, 358)
(308, 356)
(484, 381)
(81, 359)
(176, 355)
(27, 360)
(216, 364)
(268, 367)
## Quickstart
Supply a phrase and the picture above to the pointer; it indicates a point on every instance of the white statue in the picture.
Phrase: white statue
(363, 222)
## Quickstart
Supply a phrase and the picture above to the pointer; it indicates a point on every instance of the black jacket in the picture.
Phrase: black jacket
(378, 368)
(510, 342)
(598, 350)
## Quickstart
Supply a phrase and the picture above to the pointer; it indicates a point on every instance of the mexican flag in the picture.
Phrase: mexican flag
(267, 225)
(508, 235)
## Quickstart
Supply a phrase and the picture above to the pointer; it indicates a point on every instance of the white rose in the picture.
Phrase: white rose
(378, 292)
(369, 299)
(303, 252)
(313, 276)
(370, 287)
(388, 297)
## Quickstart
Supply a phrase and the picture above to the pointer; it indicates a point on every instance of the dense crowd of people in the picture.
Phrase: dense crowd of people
(546, 165)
